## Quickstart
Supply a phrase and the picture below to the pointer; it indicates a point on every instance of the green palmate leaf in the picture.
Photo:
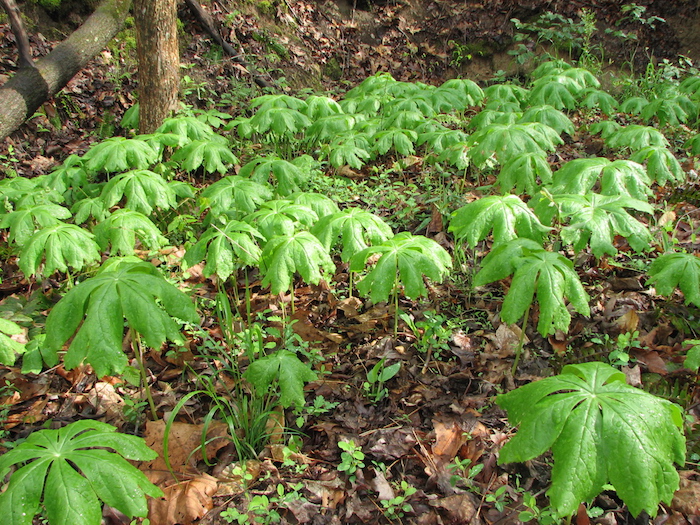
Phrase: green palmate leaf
(9, 348)
(13, 189)
(596, 98)
(681, 270)
(402, 119)
(278, 101)
(535, 270)
(466, 92)
(672, 111)
(600, 430)
(457, 155)
(626, 178)
(24, 222)
(507, 93)
(400, 140)
(70, 174)
(550, 67)
(285, 370)
(662, 165)
(691, 86)
(634, 105)
(487, 117)
(635, 137)
(187, 128)
(61, 246)
(441, 138)
(693, 143)
(212, 155)
(235, 193)
(552, 92)
(225, 249)
(279, 121)
(120, 154)
(319, 107)
(90, 207)
(123, 227)
(414, 104)
(288, 175)
(507, 141)
(319, 203)
(553, 118)
(285, 255)
(96, 308)
(326, 128)
(352, 150)
(606, 128)
(281, 217)
(522, 173)
(357, 229)
(508, 217)
(142, 189)
(597, 219)
(404, 258)
(578, 175)
(70, 471)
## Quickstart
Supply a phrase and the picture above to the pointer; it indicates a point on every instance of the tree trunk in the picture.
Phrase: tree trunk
(29, 88)
(159, 61)
(23, 49)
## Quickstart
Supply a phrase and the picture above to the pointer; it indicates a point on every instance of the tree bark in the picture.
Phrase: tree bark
(23, 49)
(22, 95)
(159, 61)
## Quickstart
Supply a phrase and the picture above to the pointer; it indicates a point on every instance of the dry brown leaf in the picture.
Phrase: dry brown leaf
(687, 497)
(449, 438)
(628, 322)
(105, 399)
(383, 488)
(183, 444)
(183, 503)
(460, 508)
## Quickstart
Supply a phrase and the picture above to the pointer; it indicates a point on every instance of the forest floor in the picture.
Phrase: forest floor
(437, 419)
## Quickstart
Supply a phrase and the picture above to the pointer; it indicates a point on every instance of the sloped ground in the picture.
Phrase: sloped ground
(440, 405)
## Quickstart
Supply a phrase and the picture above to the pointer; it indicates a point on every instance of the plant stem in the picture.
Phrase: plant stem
(138, 352)
(519, 349)
(396, 310)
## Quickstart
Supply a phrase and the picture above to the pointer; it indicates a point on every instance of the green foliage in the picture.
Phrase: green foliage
(235, 193)
(71, 470)
(123, 227)
(597, 219)
(662, 165)
(120, 154)
(285, 370)
(635, 137)
(23, 222)
(278, 121)
(534, 269)
(289, 176)
(405, 258)
(281, 217)
(507, 216)
(62, 246)
(356, 229)
(144, 190)
(212, 155)
(187, 127)
(352, 149)
(376, 377)
(122, 288)
(284, 255)
(601, 431)
(9, 348)
(508, 141)
(553, 118)
(596, 98)
(225, 249)
(681, 270)
(397, 139)
(521, 173)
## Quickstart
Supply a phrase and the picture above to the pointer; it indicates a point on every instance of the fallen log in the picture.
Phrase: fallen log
(30, 87)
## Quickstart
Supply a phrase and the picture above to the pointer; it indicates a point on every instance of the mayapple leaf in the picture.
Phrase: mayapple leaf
(352, 149)
(289, 176)
(327, 128)
(120, 154)
(553, 118)
(506, 141)
(625, 178)
(597, 98)
(681, 270)
(281, 217)
(355, 228)
(535, 271)
(488, 116)
(225, 249)
(507, 93)
(507, 215)
(9, 348)
(212, 155)
(61, 246)
(397, 139)
(285, 255)
(122, 288)
(319, 203)
(635, 137)
(662, 165)
(597, 219)
(142, 189)
(466, 91)
(24, 222)
(281, 368)
(187, 127)
(318, 107)
(441, 138)
(279, 121)
(70, 471)
(550, 91)
(522, 173)
(600, 430)
(235, 193)
(405, 259)
(123, 227)
(264, 102)
(673, 111)
(578, 175)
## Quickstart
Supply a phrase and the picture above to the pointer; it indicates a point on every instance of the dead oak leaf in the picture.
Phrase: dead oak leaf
(183, 502)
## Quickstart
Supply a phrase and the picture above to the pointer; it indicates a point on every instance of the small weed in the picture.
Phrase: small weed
(351, 459)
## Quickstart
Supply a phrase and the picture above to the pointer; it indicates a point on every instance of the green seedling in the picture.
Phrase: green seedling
(351, 459)
(376, 378)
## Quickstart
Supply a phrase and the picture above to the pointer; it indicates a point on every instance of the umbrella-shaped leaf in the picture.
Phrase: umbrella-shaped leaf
(635, 137)
(662, 165)
(400, 140)
(505, 141)
(213, 155)
(24, 222)
(600, 430)
(597, 98)
(285, 255)
(142, 189)
(625, 177)
(356, 228)
(61, 246)
(681, 270)
(289, 177)
(553, 118)
(123, 227)
(281, 217)
(578, 175)
(235, 193)
(284, 369)
(522, 173)
(9, 348)
(186, 127)
(96, 308)
(319, 203)
(120, 154)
